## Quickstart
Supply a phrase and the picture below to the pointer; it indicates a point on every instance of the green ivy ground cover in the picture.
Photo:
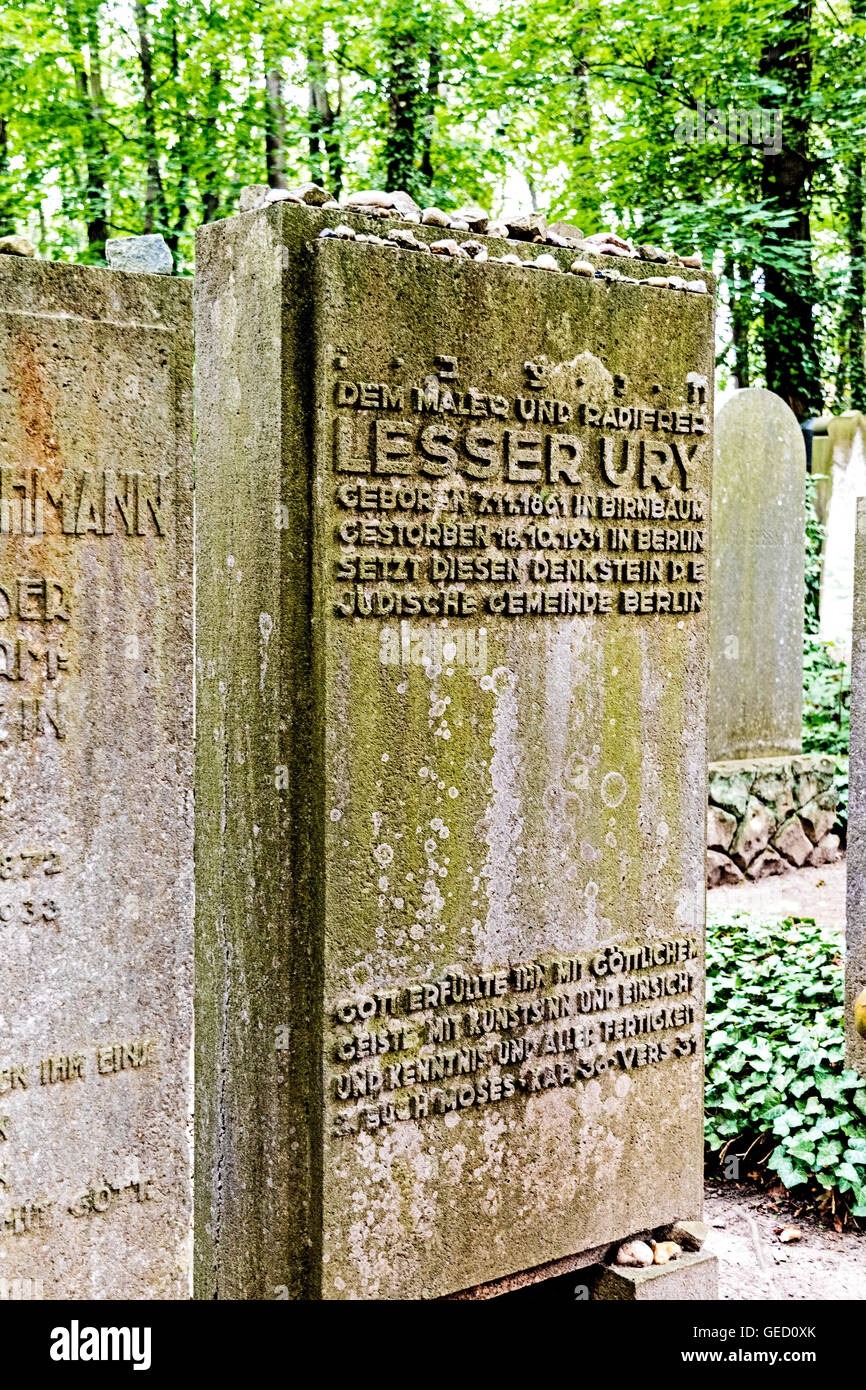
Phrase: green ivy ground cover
(776, 1084)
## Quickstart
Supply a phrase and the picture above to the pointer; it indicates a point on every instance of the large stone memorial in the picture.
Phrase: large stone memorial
(451, 784)
(96, 783)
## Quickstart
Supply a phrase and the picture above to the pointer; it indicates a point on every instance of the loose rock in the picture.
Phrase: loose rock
(312, 194)
(448, 247)
(457, 224)
(658, 282)
(582, 268)
(608, 239)
(344, 232)
(435, 217)
(399, 237)
(475, 250)
(16, 246)
(253, 197)
(567, 230)
(635, 1253)
(281, 195)
(721, 869)
(497, 229)
(141, 255)
(475, 217)
(696, 286)
(510, 259)
(330, 205)
(650, 253)
(694, 260)
(664, 1251)
(545, 262)
(398, 203)
(527, 226)
(608, 249)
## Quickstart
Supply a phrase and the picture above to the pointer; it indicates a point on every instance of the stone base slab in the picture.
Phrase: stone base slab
(768, 815)
(690, 1278)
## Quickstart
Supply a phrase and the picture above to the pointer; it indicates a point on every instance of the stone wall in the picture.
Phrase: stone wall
(768, 815)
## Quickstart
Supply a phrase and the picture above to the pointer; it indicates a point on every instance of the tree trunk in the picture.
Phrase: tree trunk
(83, 28)
(791, 360)
(7, 224)
(323, 118)
(155, 209)
(434, 76)
(739, 278)
(852, 334)
(275, 129)
(582, 174)
(181, 154)
(404, 97)
(209, 184)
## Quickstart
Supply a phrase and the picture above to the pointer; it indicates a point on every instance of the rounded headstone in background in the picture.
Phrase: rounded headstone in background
(758, 577)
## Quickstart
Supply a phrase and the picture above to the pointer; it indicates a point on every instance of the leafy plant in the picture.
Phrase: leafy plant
(826, 679)
(777, 1090)
(815, 534)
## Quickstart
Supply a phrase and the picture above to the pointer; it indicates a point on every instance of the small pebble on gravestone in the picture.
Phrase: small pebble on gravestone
(16, 246)
(664, 1251)
(141, 255)
(636, 1254)
(253, 197)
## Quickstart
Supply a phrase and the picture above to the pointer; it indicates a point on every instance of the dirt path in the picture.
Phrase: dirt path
(755, 1265)
(818, 893)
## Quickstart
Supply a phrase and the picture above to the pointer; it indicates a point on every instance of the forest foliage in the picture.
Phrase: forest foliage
(733, 126)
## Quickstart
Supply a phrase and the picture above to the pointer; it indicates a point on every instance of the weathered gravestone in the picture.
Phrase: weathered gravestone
(839, 466)
(756, 613)
(855, 930)
(451, 783)
(96, 782)
(771, 807)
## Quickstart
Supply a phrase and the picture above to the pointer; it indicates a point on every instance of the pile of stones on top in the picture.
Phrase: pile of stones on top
(528, 227)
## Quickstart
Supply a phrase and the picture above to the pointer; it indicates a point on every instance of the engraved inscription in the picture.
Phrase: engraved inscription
(467, 1040)
(454, 502)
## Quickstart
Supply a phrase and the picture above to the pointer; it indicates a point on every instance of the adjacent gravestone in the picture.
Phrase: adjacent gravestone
(855, 955)
(840, 467)
(96, 782)
(451, 786)
(756, 613)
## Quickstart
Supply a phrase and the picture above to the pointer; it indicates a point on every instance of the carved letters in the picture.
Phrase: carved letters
(501, 505)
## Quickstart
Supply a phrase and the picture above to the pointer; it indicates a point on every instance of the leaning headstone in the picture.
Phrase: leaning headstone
(452, 569)
(855, 930)
(95, 783)
(756, 611)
